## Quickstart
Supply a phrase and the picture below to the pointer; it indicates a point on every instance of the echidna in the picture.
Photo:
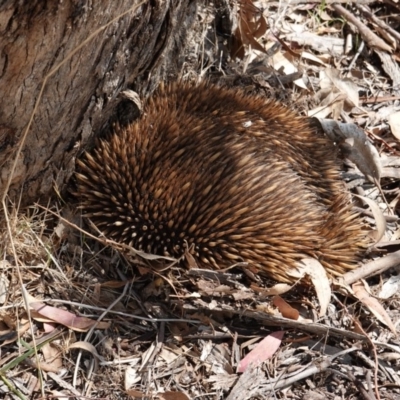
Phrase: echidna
(227, 176)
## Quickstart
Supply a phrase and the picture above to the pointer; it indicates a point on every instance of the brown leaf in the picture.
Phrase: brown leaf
(262, 351)
(63, 317)
(173, 396)
(251, 25)
(285, 308)
(136, 394)
(372, 304)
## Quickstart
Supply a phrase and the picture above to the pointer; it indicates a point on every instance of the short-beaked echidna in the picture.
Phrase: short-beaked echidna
(231, 177)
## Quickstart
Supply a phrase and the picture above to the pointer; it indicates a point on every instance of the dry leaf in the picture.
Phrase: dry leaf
(136, 394)
(114, 284)
(284, 63)
(359, 289)
(251, 25)
(88, 347)
(378, 216)
(330, 79)
(132, 376)
(4, 285)
(52, 355)
(319, 279)
(45, 313)
(390, 287)
(262, 351)
(321, 44)
(173, 396)
(285, 308)
(279, 288)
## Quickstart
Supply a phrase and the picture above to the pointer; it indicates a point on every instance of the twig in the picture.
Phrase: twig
(367, 12)
(90, 333)
(373, 347)
(368, 36)
(372, 268)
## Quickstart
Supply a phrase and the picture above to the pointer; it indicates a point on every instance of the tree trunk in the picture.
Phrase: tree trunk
(63, 64)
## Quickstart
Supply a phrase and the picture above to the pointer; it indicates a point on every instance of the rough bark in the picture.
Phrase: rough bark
(137, 50)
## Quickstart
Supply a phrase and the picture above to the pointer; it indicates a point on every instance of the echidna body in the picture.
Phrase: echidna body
(228, 177)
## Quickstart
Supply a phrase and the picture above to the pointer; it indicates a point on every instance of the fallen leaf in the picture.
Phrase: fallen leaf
(390, 287)
(285, 308)
(279, 288)
(251, 26)
(87, 347)
(4, 284)
(45, 313)
(136, 393)
(359, 289)
(319, 279)
(378, 216)
(173, 396)
(262, 351)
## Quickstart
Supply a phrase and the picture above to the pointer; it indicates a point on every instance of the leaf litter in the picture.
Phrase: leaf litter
(105, 326)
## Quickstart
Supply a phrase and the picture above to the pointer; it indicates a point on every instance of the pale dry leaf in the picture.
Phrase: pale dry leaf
(132, 375)
(378, 216)
(285, 308)
(279, 288)
(206, 350)
(146, 356)
(87, 347)
(320, 111)
(168, 355)
(330, 79)
(356, 147)
(394, 123)
(48, 326)
(330, 102)
(62, 230)
(4, 286)
(284, 63)
(390, 287)
(312, 57)
(53, 358)
(319, 279)
(321, 44)
(361, 293)
(261, 352)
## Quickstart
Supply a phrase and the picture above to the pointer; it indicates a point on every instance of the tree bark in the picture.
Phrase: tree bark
(82, 54)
